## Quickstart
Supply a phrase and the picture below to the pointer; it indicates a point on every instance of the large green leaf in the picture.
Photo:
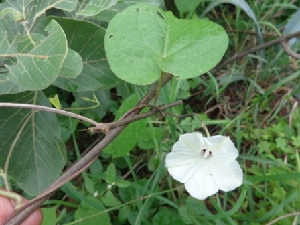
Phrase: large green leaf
(143, 41)
(31, 144)
(38, 68)
(96, 6)
(32, 51)
(122, 144)
(72, 65)
(87, 40)
(8, 87)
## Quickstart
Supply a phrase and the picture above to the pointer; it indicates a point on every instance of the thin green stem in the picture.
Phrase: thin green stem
(159, 86)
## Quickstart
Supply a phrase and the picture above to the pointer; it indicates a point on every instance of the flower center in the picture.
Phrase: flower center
(206, 152)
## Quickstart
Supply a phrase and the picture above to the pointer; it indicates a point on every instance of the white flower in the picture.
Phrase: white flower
(205, 164)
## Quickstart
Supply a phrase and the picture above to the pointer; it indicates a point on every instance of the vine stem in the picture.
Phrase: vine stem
(159, 86)
(82, 164)
(281, 39)
(98, 127)
(47, 109)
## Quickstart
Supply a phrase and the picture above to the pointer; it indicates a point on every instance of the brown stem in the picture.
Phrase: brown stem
(255, 49)
(288, 50)
(19, 215)
(105, 127)
(47, 109)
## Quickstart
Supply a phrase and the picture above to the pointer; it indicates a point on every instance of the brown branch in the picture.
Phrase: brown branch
(283, 217)
(255, 49)
(47, 109)
(19, 215)
(105, 127)
(98, 127)
(288, 50)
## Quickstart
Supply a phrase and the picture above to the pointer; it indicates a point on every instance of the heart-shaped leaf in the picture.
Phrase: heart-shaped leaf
(143, 41)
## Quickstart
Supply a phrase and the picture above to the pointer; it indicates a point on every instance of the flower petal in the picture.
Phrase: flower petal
(228, 175)
(202, 184)
(192, 142)
(222, 146)
(204, 176)
(186, 150)
(183, 173)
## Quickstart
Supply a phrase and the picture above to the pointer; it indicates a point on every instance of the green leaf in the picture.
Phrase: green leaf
(186, 6)
(87, 40)
(125, 141)
(110, 174)
(50, 214)
(18, 8)
(26, 43)
(87, 214)
(143, 41)
(185, 216)
(30, 143)
(153, 162)
(55, 101)
(150, 136)
(122, 183)
(17, 16)
(33, 14)
(89, 184)
(72, 65)
(96, 167)
(102, 96)
(110, 200)
(96, 6)
(108, 14)
(39, 67)
(127, 194)
(123, 213)
(33, 20)
(165, 216)
(8, 87)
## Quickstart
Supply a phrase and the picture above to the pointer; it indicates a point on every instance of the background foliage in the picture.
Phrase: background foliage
(56, 48)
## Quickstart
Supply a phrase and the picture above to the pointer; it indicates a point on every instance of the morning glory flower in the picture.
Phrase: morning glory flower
(205, 164)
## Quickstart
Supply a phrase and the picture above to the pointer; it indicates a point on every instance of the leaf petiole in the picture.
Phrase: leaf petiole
(13, 196)
(9, 194)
